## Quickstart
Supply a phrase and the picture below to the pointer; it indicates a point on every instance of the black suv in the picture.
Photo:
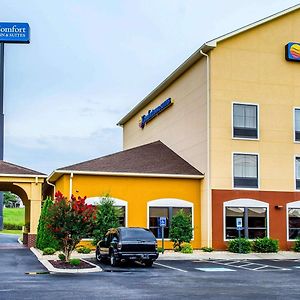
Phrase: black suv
(128, 243)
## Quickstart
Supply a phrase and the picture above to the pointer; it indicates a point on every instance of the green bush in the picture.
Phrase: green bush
(49, 251)
(181, 229)
(296, 246)
(9, 226)
(45, 238)
(265, 245)
(186, 248)
(84, 250)
(176, 248)
(244, 244)
(75, 261)
(62, 257)
(159, 249)
(207, 249)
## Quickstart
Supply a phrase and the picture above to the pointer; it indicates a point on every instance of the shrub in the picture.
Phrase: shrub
(84, 250)
(181, 229)
(265, 245)
(296, 246)
(49, 251)
(160, 249)
(107, 216)
(45, 238)
(9, 226)
(207, 249)
(70, 221)
(62, 257)
(75, 261)
(186, 248)
(176, 248)
(240, 244)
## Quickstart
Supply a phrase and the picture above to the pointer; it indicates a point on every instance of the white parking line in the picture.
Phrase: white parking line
(169, 267)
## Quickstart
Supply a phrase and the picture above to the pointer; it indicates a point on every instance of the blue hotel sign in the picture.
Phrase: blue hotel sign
(292, 52)
(154, 112)
(14, 33)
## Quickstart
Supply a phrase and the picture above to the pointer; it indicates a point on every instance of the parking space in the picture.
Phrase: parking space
(211, 265)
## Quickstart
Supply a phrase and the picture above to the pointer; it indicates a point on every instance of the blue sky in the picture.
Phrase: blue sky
(90, 61)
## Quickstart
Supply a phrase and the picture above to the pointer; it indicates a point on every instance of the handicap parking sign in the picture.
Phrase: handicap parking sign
(162, 221)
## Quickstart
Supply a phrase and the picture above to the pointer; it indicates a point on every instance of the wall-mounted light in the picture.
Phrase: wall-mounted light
(278, 206)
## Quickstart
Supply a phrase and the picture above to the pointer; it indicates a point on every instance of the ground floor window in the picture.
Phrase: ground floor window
(156, 212)
(293, 223)
(122, 215)
(254, 214)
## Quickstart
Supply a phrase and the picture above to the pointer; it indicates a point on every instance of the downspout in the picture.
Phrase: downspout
(47, 180)
(71, 184)
(209, 212)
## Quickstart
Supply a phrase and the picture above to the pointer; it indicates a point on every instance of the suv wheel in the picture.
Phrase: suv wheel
(148, 263)
(98, 255)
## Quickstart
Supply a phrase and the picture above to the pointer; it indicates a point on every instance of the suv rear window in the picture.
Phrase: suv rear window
(136, 234)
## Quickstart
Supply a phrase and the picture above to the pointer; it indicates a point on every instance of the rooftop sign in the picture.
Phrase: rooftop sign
(14, 33)
(292, 52)
(154, 112)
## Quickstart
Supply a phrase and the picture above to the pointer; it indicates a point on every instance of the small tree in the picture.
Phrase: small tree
(70, 221)
(10, 199)
(181, 229)
(107, 217)
(45, 238)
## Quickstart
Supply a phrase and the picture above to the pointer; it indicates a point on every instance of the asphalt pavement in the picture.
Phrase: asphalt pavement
(167, 279)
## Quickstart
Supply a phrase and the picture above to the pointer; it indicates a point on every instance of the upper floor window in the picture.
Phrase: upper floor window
(297, 167)
(297, 124)
(245, 170)
(245, 121)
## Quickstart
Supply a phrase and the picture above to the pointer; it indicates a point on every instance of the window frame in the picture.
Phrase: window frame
(249, 203)
(294, 124)
(257, 121)
(295, 173)
(295, 205)
(258, 171)
(171, 202)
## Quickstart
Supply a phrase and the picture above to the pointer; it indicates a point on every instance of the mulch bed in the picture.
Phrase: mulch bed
(59, 264)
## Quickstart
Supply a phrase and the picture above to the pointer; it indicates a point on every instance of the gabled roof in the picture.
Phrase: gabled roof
(206, 47)
(154, 159)
(7, 168)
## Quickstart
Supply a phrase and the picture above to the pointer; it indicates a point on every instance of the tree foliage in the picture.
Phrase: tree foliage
(10, 199)
(70, 221)
(45, 238)
(181, 229)
(107, 217)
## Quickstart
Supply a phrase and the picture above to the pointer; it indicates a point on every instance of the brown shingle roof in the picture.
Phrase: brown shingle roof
(153, 158)
(9, 168)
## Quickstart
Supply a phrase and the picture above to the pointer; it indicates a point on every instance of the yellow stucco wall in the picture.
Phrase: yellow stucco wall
(251, 68)
(137, 192)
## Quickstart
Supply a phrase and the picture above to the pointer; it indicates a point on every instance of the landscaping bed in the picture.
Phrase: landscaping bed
(59, 264)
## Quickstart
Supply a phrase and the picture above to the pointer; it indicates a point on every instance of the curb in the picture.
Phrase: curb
(54, 270)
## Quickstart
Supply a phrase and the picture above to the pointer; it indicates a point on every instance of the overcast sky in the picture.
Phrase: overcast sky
(90, 61)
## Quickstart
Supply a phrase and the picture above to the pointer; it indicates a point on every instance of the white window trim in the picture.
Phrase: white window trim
(258, 171)
(232, 131)
(294, 204)
(294, 124)
(244, 202)
(170, 202)
(117, 202)
(295, 172)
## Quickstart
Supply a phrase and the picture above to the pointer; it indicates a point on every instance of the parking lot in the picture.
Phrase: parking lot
(211, 265)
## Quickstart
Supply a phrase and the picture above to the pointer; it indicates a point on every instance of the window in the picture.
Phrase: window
(297, 124)
(245, 170)
(297, 167)
(122, 220)
(156, 212)
(293, 223)
(245, 121)
(254, 222)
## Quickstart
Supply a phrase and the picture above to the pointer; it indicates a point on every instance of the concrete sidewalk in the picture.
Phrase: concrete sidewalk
(199, 255)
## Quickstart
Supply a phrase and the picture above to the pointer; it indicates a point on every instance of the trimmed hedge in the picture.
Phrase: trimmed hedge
(239, 245)
(296, 247)
(9, 226)
(265, 245)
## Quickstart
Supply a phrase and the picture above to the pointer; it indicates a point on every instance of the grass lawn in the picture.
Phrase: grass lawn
(19, 232)
(14, 216)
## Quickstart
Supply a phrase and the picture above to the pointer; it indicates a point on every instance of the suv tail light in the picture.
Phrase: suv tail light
(119, 246)
(155, 245)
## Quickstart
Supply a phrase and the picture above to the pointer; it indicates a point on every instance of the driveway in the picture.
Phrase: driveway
(9, 241)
